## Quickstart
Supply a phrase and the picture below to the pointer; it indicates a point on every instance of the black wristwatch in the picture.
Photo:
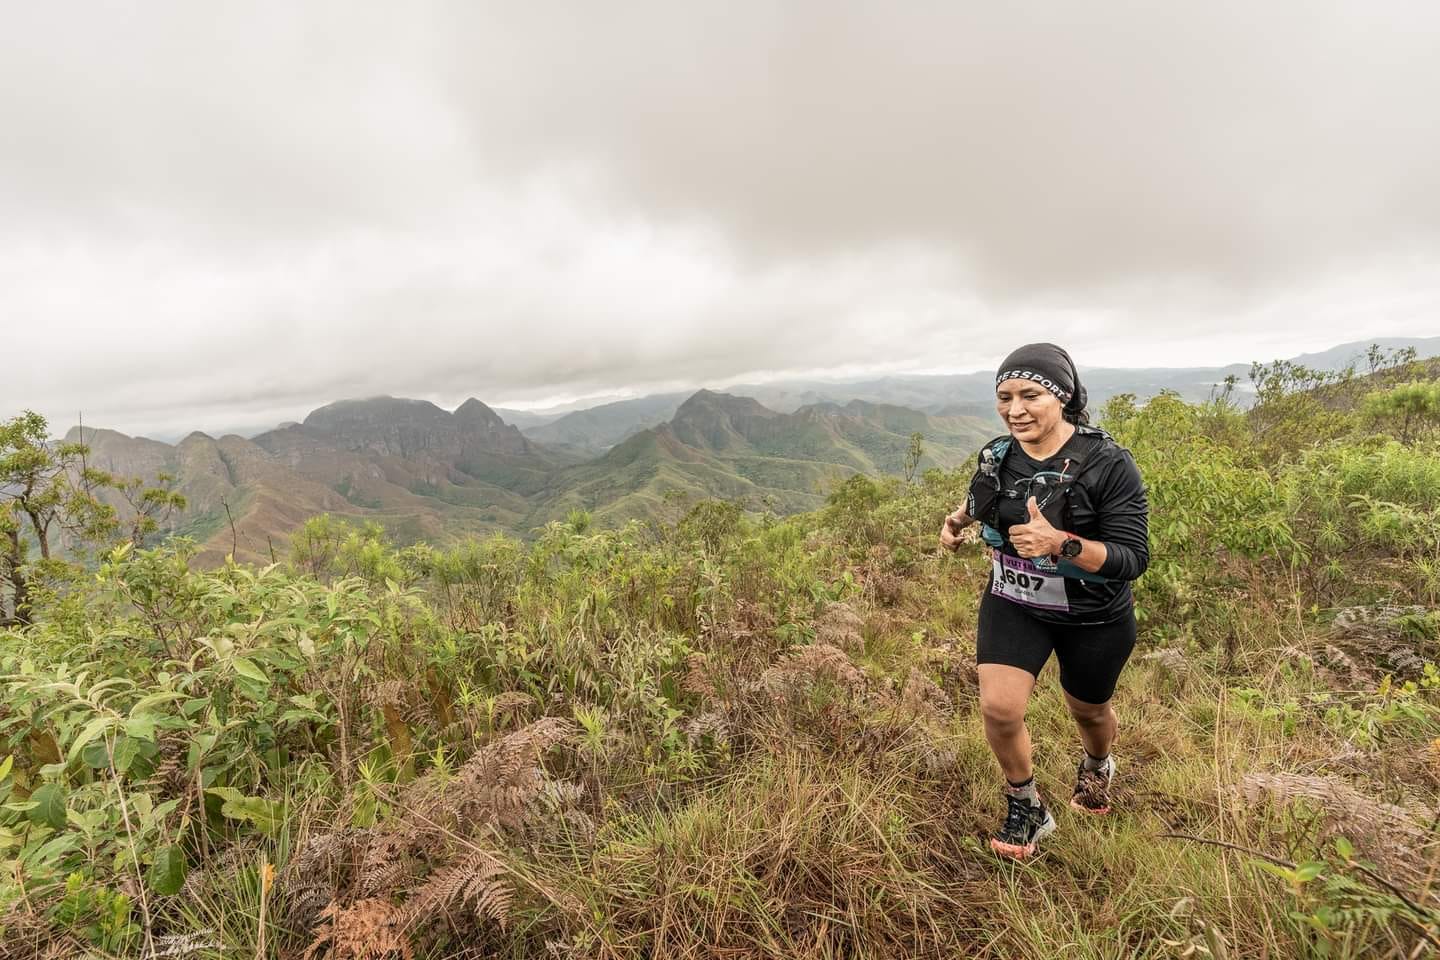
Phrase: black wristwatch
(1071, 547)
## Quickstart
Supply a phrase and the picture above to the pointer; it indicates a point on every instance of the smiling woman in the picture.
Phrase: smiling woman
(1052, 590)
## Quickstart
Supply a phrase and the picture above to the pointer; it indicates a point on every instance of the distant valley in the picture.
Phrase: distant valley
(426, 473)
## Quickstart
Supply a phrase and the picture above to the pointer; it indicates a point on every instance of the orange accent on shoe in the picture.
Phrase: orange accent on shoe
(1093, 811)
(1012, 850)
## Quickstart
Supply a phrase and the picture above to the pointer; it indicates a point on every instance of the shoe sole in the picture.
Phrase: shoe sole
(1019, 851)
(1093, 811)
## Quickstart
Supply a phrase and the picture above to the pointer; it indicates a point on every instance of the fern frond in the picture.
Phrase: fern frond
(473, 882)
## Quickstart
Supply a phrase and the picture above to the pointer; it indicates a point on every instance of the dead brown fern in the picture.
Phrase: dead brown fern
(798, 671)
(1386, 638)
(474, 882)
(697, 678)
(366, 930)
(511, 702)
(29, 935)
(323, 865)
(923, 697)
(412, 858)
(504, 778)
(1383, 832)
(840, 626)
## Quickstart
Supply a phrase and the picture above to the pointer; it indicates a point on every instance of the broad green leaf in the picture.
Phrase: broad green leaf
(126, 750)
(5, 766)
(142, 728)
(265, 816)
(248, 670)
(167, 873)
(49, 806)
(154, 700)
(95, 755)
(90, 732)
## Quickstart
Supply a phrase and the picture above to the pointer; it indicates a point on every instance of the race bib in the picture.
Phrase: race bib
(1020, 581)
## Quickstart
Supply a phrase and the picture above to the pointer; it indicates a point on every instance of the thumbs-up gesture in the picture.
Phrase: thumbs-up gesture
(1036, 537)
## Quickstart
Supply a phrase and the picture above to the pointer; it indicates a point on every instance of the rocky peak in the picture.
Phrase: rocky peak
(399, 427)
(718, 421)
(473, 411)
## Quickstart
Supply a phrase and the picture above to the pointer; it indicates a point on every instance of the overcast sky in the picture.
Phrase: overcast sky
(217, 215)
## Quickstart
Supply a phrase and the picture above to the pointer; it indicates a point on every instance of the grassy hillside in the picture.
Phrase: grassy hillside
(596, 429)
(751, 737)
(718, 445)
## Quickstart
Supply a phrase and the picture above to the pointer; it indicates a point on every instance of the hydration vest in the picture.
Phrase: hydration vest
(987, 491)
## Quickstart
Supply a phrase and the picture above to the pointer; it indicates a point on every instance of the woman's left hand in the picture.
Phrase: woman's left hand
(1036, 538)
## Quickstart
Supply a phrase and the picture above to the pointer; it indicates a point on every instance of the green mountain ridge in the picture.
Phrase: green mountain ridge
(426, 473)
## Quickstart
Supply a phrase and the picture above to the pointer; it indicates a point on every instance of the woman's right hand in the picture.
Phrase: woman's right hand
(952, 531)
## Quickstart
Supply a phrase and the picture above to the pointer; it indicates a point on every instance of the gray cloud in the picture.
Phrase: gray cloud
(216, 215)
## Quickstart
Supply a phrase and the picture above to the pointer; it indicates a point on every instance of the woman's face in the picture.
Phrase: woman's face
(1028, 409)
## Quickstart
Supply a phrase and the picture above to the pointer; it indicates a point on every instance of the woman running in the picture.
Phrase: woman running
(1062, 506)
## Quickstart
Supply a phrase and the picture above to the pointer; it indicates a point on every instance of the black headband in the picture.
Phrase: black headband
(1043, 363)
(1046, 380)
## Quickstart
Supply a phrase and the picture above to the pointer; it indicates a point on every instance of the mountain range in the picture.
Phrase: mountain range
(426, 473)
(591, 430)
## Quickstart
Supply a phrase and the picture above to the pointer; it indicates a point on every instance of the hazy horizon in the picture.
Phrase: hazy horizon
(227, 216)
(173, 432)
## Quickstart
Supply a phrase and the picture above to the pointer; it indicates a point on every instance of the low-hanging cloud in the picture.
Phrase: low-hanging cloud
(214, 215)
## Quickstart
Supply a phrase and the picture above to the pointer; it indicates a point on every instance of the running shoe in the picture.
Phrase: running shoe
(1025, 824)
(1092, 787)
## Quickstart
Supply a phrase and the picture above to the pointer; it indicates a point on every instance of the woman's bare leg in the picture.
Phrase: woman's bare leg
(1097, 725)
(1004, 695)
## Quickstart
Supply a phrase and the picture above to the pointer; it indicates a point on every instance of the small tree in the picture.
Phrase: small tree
(913, 456)
(1298, 406)
(1378, 359)
(48, 487)
(14, 608)
(1410, 407)
(33, 474)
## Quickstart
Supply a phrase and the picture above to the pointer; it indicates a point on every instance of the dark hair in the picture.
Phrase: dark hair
(1075, 410)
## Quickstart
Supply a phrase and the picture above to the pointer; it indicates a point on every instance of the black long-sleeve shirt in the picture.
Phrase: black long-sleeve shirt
(1105, 502)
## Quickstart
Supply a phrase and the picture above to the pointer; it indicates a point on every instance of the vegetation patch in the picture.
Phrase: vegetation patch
(718, 732)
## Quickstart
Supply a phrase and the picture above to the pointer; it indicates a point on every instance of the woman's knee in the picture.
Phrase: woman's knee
(1002, 712)
(1089, 714)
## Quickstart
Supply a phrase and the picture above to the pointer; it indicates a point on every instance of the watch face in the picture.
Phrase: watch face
(1070, 548)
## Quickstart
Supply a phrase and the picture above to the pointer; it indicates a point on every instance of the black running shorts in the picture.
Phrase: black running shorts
(1091, 656)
